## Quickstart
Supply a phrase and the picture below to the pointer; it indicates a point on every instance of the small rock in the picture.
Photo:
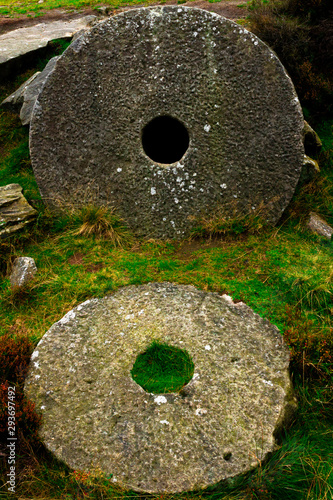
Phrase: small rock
(15, 211)
(319, 226)
(104, 10)
(24, 98)
(24, 269)
(312, 142)
(310, 169)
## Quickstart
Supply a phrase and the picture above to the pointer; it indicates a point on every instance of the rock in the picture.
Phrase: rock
(15, 211)
(319, 226)
(222, 423)
(18, 45)
(24, 98)
(24, 269)
(168, 113)
(309, 170)
(312, 142)
(14, 102)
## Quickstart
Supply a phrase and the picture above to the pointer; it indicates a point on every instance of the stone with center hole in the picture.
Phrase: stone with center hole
(169, 114)
(217, 423)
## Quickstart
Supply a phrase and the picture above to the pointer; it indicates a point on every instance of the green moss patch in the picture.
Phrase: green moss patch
(162, 368)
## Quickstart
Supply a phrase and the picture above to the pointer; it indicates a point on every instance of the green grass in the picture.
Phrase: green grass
(285, 274)
(162, 368)
(16, 8)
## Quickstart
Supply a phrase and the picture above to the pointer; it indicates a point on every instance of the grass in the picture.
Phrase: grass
(14, 8)
(284, 273)
(162, 368)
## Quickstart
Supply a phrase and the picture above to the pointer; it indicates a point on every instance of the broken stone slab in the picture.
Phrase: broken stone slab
(222, 423)
(109, 115)
(312, 141)
(14, 102)
(310, 169)
(319, 226)
(24, 98)
(15, 211)
(24, 270)
(18, 45)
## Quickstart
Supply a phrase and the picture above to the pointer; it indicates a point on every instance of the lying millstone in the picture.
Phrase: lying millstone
(220, 424)
(319, 226)
(24, 270)
(15, 211)
(168, 113)
(23, 99)
(18, 45)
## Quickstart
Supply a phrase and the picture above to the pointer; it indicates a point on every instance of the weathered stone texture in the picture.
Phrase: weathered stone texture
(15, 211)
(319, 226)
(23, 99)
(24, 270)
(225, 85)
(219, 425)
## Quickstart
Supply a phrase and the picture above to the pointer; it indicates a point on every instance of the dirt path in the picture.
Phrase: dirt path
(226, 8)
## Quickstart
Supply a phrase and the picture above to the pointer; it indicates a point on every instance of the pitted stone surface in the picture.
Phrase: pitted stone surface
(219, 425)
(225, 85)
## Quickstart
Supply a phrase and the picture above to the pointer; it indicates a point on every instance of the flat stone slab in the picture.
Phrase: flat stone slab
(24, 98)
(17, 43)
(222, 423)
(219, 81)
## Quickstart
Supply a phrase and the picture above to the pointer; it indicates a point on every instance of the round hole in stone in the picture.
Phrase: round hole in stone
(162, 368)
(165, 139)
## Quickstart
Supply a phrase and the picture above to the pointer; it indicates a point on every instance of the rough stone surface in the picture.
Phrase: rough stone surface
(220, 424)
(312, 142)
(24, 98)
(17, 44)
(310, 169)
(319, 226)
(15, 211)
(225, 85)
(15, 100)
(24, 269)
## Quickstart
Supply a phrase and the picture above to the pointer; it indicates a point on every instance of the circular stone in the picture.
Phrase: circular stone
(219, 81)
(219, 425)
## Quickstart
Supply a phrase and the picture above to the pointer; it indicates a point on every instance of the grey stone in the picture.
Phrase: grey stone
(222, 423)
(24, 269)
(312, 142)
(14, 102)
(224, 85)
(15, 211)
(309, 170)
(24, 98)
(319, 226)
(20, 43)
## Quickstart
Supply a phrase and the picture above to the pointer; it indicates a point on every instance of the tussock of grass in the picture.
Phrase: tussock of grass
(221, 223)
(102, 222)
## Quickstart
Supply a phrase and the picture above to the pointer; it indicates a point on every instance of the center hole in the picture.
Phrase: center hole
(165, 139)
(162, 368)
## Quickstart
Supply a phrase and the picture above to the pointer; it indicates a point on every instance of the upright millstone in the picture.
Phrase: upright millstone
(168, 113)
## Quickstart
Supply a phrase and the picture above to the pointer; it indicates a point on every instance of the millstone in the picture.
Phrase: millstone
(168, 113)
(222, 423)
